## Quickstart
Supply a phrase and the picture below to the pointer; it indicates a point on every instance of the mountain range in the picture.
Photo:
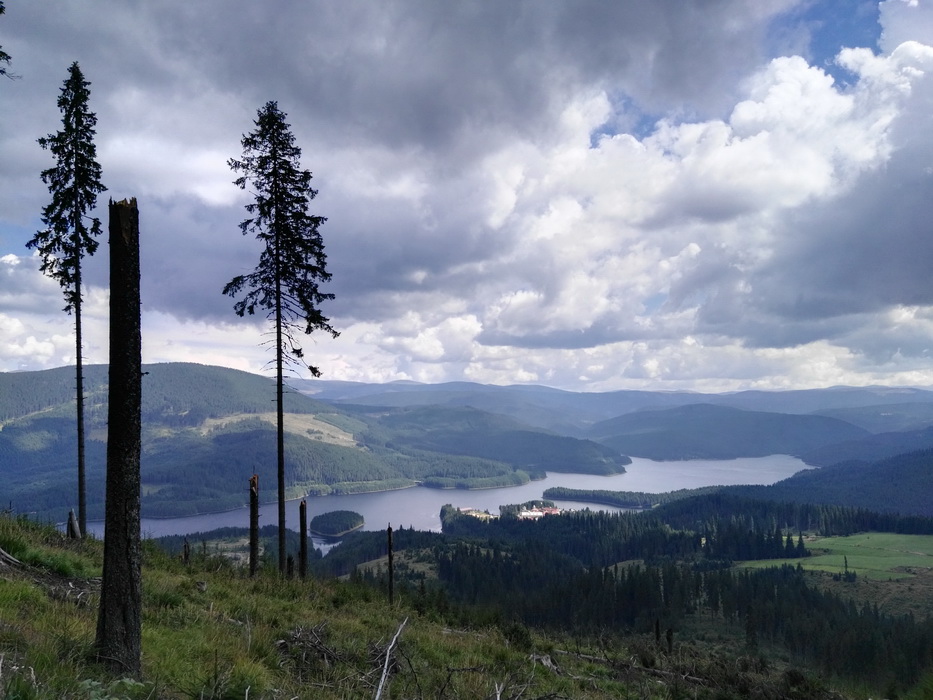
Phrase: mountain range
(208, 429)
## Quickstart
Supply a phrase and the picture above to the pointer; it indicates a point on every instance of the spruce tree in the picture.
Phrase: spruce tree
(4, 56)
(74, 183)
(292, 264)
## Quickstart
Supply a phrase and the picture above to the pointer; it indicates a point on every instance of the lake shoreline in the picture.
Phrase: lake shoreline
(263, 503)
(419, 508)
(336, 536)
(328, 495)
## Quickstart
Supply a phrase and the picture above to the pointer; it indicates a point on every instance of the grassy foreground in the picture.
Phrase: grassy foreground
(210, 631)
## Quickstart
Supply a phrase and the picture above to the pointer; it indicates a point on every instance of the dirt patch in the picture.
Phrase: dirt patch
(82, 592)
(304, 424)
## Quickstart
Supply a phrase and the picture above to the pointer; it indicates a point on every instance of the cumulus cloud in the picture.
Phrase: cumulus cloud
(582, 194)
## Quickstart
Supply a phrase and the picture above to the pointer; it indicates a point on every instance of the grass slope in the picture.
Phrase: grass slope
(210, 631)
(892, 572)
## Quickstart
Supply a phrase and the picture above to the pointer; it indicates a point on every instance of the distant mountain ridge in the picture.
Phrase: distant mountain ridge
(578, 411)
(706, 431)
(207, 429)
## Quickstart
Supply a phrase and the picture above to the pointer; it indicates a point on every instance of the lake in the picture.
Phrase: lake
(420, 507)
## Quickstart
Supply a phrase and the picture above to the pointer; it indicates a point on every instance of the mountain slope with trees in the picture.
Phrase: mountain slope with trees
(704, 431)
(870, 448)
(206, 430)
(469, 431)
(572, 413)
(899, 484)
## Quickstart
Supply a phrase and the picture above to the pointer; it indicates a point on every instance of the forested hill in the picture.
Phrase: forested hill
(704, 431)
(455, 431)
(871, 448)
(206, 430)
(900, 484)
(177, 392)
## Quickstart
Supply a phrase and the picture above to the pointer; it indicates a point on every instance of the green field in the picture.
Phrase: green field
(874, 555)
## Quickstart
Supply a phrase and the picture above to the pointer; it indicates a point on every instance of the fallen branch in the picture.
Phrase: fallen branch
(385, 670)
(8, 559)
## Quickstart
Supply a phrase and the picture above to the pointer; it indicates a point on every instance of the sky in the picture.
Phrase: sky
(708, 195)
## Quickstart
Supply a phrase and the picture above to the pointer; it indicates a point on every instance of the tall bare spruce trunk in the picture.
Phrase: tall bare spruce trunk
(279, 403)
(79, 394)
(303, 530)
(391, 568)
(79, 380)
(119, 621)
(253, 524)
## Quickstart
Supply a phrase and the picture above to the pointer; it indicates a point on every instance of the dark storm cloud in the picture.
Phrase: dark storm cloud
(192, 251)
(862, 252)
(431, 74)
(447, 81)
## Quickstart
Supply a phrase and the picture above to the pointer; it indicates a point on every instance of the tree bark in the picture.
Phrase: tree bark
(79, 379)
(253, 524)
(303, 547)
(119, 621)
(79, 394)
(280, 412)
(391, 569)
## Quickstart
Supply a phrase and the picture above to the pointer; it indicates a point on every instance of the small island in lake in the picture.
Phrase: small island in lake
(336, 523)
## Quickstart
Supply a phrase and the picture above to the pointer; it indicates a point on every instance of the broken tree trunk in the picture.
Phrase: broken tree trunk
(74, 529)
(303, 533)
(253, 524)
(119, 620)
(391, 569)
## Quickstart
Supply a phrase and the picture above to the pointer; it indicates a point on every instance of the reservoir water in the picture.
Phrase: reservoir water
(420, 507)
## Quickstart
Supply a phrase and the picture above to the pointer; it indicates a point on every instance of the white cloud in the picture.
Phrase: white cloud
(904, 20)
(623, 195)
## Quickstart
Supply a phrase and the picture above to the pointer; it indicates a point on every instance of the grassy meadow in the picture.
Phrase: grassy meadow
(894, 572)
(879, 556)
(873, 555)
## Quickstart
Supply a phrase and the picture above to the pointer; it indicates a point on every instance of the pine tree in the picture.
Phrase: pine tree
(285, 283)
(4, 56)
(74, 183)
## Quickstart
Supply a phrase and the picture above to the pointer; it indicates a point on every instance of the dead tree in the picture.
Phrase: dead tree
(119, 621)
(253, 524)
(303, 547)
(391, 569)
(73, 529)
